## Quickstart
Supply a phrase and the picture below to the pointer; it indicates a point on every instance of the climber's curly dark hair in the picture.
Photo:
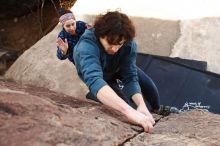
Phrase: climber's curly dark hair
(116, 26)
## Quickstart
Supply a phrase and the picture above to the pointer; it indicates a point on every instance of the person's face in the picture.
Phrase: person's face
(70, 26)
(109, 48)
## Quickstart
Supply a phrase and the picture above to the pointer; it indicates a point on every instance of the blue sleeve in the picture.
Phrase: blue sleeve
(86, 57)
(129, 71)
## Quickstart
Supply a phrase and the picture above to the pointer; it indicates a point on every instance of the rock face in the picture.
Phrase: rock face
(156, 36)
(199, 40)
(186, 129)
(39, 66)
(32, 116)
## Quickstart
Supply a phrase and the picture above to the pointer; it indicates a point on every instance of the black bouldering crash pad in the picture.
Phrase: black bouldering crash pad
(182, 81)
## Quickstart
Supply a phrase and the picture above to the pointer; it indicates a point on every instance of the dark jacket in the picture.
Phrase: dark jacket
(72, 40)
(95, 67)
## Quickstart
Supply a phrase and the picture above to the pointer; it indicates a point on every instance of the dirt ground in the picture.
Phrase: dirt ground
(18, 34)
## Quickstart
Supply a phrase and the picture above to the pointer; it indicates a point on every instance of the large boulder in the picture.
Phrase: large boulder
(33, 116)
(39, 66)
(199, 40)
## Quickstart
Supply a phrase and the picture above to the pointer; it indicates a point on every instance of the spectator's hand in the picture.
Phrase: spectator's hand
(62, 45)
(139, 118)
(145, 111)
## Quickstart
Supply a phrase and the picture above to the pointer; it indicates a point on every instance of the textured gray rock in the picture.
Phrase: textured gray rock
(156, 36)
(199, 40)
